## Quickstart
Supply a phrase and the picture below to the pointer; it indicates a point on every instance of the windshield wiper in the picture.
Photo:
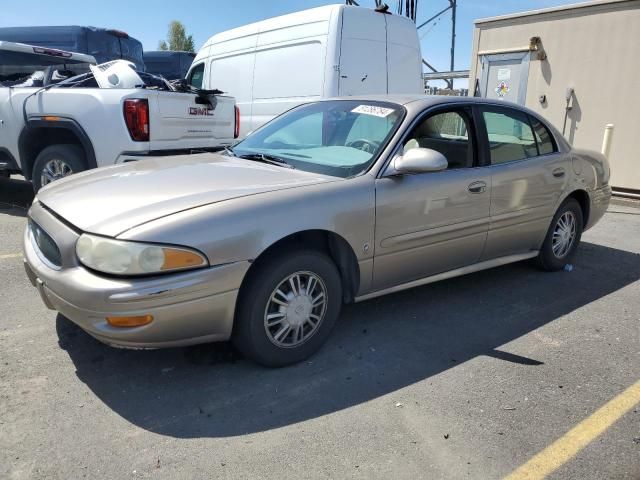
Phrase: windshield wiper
(266, 158)
(298, 155)
(229, 152)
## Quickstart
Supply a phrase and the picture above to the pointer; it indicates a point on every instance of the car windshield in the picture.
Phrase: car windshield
(341, 138)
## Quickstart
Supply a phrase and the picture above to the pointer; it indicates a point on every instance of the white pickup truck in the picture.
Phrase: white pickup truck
(49, 130)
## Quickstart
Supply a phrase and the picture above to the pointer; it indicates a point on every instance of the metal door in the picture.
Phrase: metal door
(504, 76)
(429, 223)
(525, 191)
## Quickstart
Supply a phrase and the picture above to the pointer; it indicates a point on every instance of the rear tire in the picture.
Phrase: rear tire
(55, 162)
(563, 237)
(300, 291)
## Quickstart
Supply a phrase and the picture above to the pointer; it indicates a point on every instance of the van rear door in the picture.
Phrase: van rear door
(363, 59)
(404, 60)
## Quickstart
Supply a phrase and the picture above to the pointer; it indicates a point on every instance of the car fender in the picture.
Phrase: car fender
(244, 228)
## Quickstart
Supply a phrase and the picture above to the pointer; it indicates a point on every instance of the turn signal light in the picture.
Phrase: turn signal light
(127, 322)
(174, 259)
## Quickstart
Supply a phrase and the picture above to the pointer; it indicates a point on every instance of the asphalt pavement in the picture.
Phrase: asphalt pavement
(469, 378)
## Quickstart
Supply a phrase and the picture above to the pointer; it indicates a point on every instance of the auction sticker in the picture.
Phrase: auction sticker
(373, 110)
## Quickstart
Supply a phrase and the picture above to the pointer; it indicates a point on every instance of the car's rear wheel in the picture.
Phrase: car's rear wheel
(288, 308)
(56, 162)
(563, 236)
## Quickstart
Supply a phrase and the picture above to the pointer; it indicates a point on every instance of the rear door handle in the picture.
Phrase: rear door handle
(558, 172)
(477, 187)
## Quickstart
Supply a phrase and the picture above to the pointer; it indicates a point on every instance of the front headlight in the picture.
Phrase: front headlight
(120, 257)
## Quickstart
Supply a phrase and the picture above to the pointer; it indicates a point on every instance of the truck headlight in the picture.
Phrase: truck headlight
(120, 257)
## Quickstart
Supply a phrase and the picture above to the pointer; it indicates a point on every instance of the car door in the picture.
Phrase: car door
(433, 222)
(528, 176)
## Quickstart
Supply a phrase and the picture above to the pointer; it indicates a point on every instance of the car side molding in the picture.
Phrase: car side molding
(476, 267)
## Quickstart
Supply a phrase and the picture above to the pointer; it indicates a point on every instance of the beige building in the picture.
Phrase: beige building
(577, 65)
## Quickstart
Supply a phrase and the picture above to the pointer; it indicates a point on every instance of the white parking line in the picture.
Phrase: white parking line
(10, 255)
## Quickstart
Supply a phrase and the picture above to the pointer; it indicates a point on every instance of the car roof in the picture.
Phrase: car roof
(417, 103)
(425, 100)
(420, 102)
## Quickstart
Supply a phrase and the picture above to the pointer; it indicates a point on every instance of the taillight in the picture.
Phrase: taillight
(236, 129)
(136, 116)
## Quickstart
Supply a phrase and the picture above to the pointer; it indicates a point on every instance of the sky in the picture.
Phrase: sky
(204, 18)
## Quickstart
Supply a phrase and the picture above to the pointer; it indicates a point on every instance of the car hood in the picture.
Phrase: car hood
(109, 201)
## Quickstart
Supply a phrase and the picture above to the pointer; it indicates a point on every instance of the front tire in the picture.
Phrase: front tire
(55, 162)
(563, 237)
(288, 308)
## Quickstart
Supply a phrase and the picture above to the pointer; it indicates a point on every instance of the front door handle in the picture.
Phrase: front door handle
(558, 172)
(477, 187)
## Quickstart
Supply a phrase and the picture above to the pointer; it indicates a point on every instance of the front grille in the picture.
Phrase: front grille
(46, 245)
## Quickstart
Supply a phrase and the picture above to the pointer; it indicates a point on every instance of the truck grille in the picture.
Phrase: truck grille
(45, 244)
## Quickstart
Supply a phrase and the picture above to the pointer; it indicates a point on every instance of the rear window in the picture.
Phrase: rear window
(510, 135)
(544, 139)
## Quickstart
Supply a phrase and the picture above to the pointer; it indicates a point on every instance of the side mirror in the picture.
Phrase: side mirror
(420, 160)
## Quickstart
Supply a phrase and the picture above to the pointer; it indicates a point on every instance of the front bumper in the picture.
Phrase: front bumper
(187, 308)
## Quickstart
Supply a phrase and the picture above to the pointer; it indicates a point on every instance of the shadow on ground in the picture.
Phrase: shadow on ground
(377, 348)
(15, 196)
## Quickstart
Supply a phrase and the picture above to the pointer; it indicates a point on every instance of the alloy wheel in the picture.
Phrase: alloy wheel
(564, 234)
(53, 170)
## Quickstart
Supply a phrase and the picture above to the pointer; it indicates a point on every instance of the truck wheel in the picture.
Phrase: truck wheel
(288, 308)
(56, 162)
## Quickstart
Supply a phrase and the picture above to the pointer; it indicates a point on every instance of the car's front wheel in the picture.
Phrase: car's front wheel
(288, 308)
(563, 236)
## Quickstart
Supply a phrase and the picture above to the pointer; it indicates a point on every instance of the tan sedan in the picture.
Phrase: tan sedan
(335, 201)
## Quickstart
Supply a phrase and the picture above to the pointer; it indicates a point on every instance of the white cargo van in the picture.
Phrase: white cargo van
(336, 50)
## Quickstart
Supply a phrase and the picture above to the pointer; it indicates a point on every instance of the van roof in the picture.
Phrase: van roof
(296, 18)
(301, 17)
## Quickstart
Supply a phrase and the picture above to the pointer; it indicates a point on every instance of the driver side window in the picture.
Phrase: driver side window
(196, 76)
(447, 133)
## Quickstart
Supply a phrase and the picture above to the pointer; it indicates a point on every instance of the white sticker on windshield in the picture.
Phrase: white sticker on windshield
(373, 110)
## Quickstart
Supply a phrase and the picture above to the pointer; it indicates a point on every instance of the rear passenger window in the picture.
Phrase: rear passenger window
(447, 133)
(510, 136)
(543, 137)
